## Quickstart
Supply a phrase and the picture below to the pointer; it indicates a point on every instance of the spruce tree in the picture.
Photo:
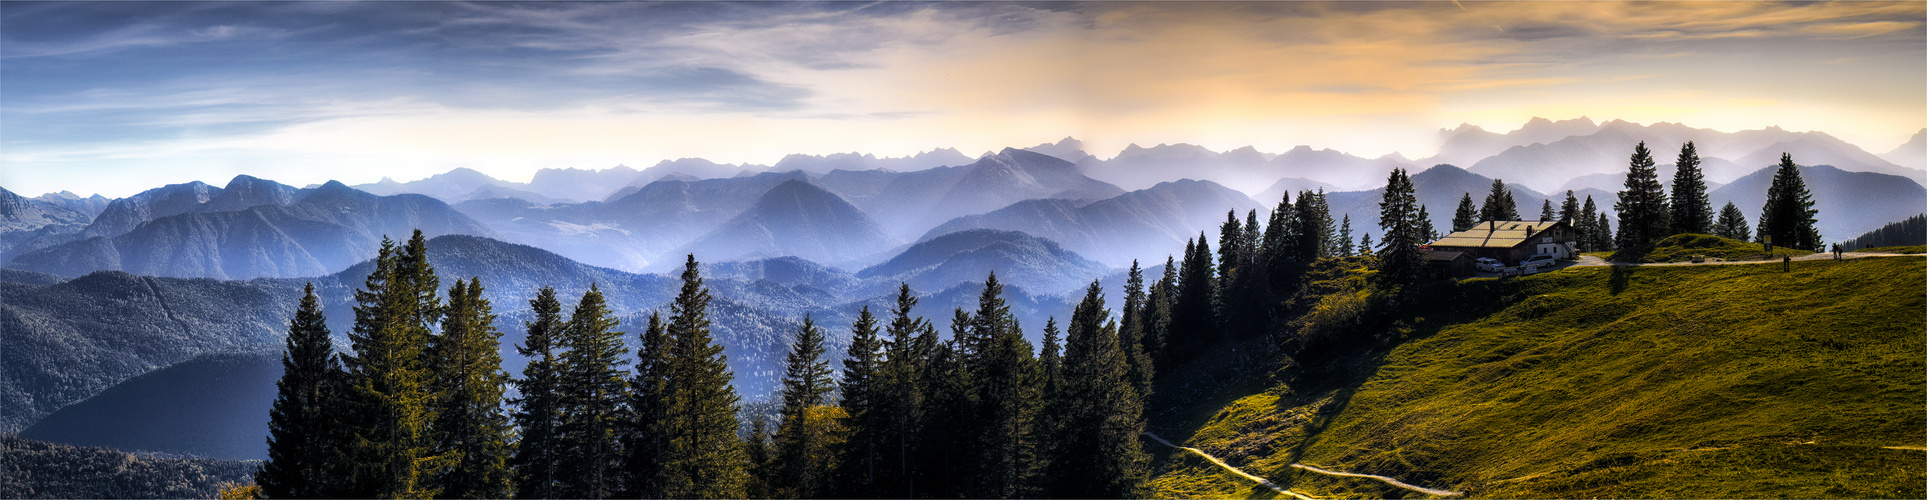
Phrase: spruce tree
(302, 437)
(389, 412)
(1314, 227)
(1692, 211)
(645, 441)
(1545, 211)
(1569, 211)
(1499, 204)
(900, 397)
(1279, 252)
(1101, 456)
(945, 464)
(862, 379)
(1159, 303)
(1603, 233)
(1588, 226)
(1426, 231)
(1732, 223)
(1643, 216)
(1194, 326)
(538, 414)
(467, 366)
(1051, 359)
(1466, 216)
(1007, 379)
(761, 464)
(1231, 255)
(705, 455)
(1131, 331)
(1342, 246)
(1365, 244)
(1788, 216)
(806, 385)
(593, 395)
(1051, 421)
(1401, 262)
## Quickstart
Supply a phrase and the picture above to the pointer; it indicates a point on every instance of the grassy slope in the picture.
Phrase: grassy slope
(1901, 249)
(1682, 247)
(1700, 381)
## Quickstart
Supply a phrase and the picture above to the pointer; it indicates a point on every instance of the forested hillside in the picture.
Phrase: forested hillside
(34, 469)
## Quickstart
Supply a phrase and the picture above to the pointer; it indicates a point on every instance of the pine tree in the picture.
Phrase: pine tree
(1314, 227)
(1400, 262)
(301, 434)
(1102, 413)
(1569, 211)
(806, 385)
(1732, 223)
(1158, 306)
(1426, 231)
(1342, 247)
(1007, 378)
(861, 382)
(1589, 228)
(1050, 420)
(1499, 204)
(538, 414)
(593, 395)
(945, 464)
(1279, 251)
(900, 397)
(645, 441)
(1050, 358)
(388, 384)
(1692, 211)
(1788, 216)
(1365, 244)
(761, 463)
(1466, 216)
(1603, 233)
(1132, 330)
(1545, 211)
(705, 455)
(1643, 215)
(1194, 325)
(467, 363)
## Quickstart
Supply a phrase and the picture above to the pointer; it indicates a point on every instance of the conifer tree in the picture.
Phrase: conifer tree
(1732, 223)
(1007, 379)
(1279, 251)
(1499, 204)
(1426, 231)
(861, 381)
(1545, 211)
(1365, 244)
(761, 464)
(1131, 331)
(705, 455)
(645, 441)
(1400, 262)
(302, 437)
(900, 397)
(1692, 211)
(1314, 227)
(1643, 216)
(1342, 246)
(593, 395)
(1101, 456)
(467, 368)
(806, 385)
(1466, 216)
(1050, 419)
(538, 414)
(388, 384)
(947, 445)
(1158, 306)
(1569, 211)
(1231, 255)
(1788, 216)
(1050, 358)
(1603, 233)
(1588, 227)
(1193, 324)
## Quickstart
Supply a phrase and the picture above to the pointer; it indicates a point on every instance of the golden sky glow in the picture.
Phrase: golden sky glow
(584, 85)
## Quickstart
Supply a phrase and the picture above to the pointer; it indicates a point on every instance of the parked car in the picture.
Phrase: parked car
(1488, 264)
(1539, 260)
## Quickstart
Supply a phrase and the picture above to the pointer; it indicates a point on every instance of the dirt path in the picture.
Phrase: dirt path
(1234, 470)
(1387, 480)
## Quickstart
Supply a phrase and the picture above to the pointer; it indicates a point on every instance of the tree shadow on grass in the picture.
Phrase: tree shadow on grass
(1621, 276)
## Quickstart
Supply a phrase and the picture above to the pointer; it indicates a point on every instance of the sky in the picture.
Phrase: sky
(118, 97)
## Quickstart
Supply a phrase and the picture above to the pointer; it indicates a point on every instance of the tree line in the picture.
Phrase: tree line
(1646, 214)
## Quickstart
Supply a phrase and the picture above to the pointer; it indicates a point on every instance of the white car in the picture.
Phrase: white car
(1488, 264)
(1539, 260)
